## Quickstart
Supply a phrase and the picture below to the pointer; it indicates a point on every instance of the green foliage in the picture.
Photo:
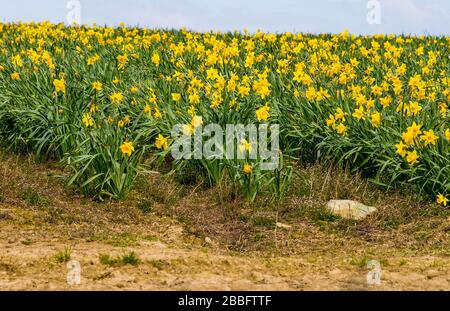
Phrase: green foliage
(64, 255)
(302, 78)
(34, 198)
(130, 258)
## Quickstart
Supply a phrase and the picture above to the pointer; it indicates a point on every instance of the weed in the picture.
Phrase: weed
(26, 242)
(63, 255)
(146, 205)
(159, 264)
(34, 198)
(130, 258)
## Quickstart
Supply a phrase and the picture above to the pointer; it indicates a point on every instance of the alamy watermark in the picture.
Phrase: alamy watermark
(74, 274)
(235, 141)
(374, 275)
(374, 14)
(73, 17)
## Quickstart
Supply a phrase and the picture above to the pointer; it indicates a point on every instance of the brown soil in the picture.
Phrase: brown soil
(191, 240)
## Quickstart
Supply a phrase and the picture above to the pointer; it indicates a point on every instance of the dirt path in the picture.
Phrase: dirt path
(197, 244)
(166, 266)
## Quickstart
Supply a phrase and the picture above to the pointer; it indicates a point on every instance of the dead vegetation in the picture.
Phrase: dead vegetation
(175, 226)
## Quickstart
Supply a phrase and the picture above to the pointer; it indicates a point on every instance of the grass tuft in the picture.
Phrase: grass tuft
(130, 258)
(63, 255)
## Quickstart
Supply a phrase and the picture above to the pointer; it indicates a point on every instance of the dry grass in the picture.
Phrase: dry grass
(404, 222)
(41, 217)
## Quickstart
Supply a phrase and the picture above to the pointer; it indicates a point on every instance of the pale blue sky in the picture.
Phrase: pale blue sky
(397, 16)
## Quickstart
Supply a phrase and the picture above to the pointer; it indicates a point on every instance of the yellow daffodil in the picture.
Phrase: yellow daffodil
(194, 98)
(262, 114)
(401, 149)
(376, 119)
(127, 148)
(87, 120)
(161, 142)
(15, 76)
(96, 85)
(157, 114)
(245, 146)
(156, 59)
(447, 134)
(188, 129)
(341, 129)
(176, 96)
(359, 114)
(247, 169)
(441, 199)
(197, 121)
(60, 85)
(331, 121)
(428, 137)
(116, 97)
(412, 157)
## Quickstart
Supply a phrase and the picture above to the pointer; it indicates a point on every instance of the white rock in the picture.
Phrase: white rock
(350, 209)
(284, 226)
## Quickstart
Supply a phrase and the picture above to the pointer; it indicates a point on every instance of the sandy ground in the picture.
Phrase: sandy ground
(173, 266)
(172, 256)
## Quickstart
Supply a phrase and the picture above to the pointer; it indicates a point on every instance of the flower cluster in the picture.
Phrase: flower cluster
(378, 103)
